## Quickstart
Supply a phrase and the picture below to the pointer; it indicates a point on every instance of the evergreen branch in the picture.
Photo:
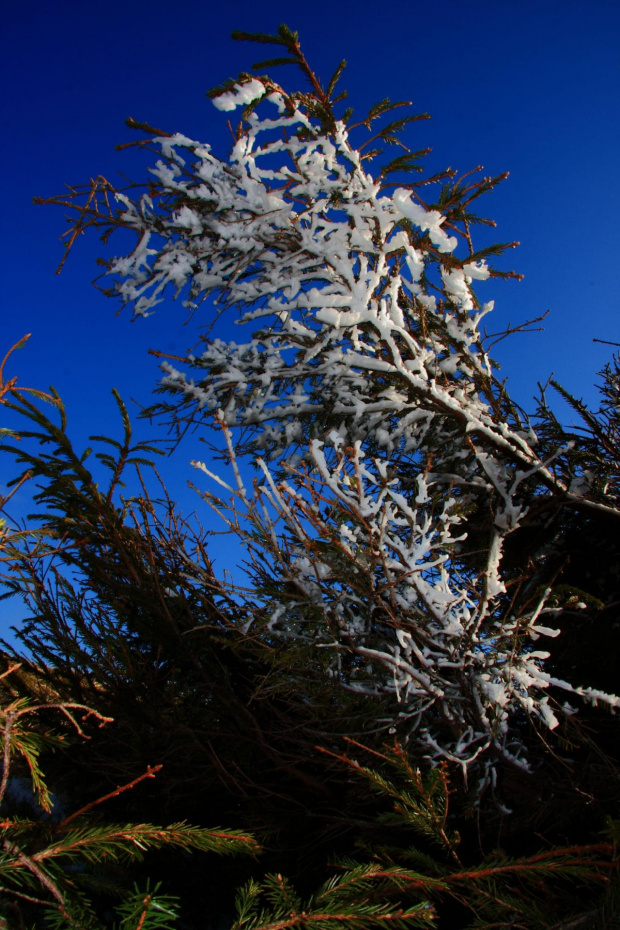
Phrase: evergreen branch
(335, 78)
(133, 840)
(33, 866)
(317, 914)
(144, 127)
(274, 62)
(23, 897)
(496, 249)
(390, 132)
(428, 813)
(407, 162)
(564, 862)
(378, 109)
(148, 910)
(262, 37)
(10, 387)
(359, 879)
(580, 408)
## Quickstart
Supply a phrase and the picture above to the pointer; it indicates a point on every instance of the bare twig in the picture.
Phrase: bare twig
(150, 773)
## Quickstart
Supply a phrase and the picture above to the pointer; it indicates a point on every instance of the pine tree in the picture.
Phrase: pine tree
(366, 399)
(390, 528)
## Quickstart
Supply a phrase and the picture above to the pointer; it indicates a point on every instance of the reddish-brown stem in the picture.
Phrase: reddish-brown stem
(150, 773)
(36, 870)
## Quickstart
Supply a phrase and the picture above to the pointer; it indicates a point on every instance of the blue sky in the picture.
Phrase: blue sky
(528, 87)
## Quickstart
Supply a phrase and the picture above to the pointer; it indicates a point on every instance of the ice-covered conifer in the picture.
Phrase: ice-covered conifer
(361, 377)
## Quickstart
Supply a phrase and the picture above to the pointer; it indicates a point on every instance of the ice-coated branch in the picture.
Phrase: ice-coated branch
(358, 307)
(373, 579)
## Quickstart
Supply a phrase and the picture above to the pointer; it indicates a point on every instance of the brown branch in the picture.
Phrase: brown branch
(295, 49)
(79, 225)
(7, 497)
(150, 773)
(11, 669)
(36, 870)
(521, 328)
(91, 213)
(6, 756)
(9, 386)
(64, 708)
(144, 127)
(537, 862)
(145, 906)
(22, 896)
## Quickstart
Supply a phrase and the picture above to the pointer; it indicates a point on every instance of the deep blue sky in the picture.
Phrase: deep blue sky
(529, 87)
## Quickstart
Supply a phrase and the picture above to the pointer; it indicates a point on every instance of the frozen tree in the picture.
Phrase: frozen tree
(364, 394)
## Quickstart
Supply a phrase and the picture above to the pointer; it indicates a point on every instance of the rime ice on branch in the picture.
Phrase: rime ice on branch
(365, 383)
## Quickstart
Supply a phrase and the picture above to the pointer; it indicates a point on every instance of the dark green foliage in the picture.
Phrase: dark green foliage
(51, 863)
(533, 891)
(148, 909)
(414, 872)
(354, 899)
(404, 885)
